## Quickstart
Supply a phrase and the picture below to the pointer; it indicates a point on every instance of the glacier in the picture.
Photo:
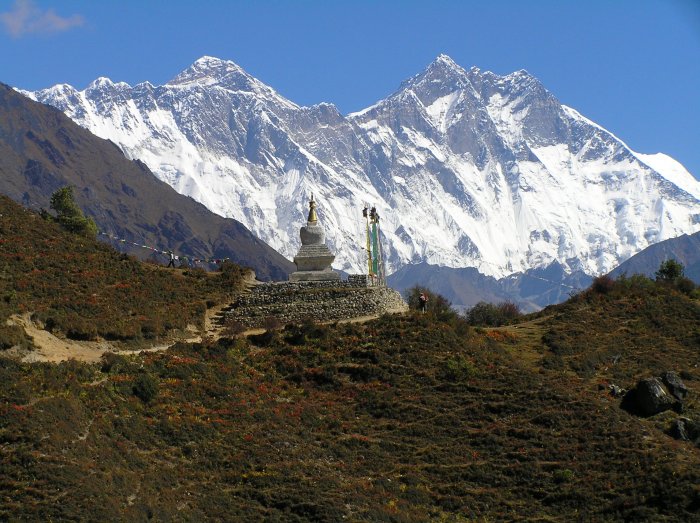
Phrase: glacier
(465, 167)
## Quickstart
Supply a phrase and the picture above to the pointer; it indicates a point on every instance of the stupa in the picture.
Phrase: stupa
(314, 258)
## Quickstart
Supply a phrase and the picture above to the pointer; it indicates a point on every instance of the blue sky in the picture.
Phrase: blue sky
(631, 66)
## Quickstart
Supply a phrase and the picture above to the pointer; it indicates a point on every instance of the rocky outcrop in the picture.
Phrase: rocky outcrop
(652, 396)
(675, 385)
(686, 429)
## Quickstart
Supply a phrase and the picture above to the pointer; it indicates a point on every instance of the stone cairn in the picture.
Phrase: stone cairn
(314, 291)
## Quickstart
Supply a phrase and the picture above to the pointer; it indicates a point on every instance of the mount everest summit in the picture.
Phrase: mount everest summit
(466, 168)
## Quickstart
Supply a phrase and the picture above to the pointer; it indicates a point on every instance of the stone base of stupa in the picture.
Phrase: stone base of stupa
(327, 275)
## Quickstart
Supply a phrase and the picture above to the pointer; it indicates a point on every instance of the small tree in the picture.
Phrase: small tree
(670, 271)
(69, 215)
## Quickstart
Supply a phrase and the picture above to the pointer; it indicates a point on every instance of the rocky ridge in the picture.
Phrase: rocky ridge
(467, 168)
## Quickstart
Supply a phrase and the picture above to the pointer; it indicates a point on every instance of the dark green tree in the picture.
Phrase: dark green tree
(69, 215)
(670, 271)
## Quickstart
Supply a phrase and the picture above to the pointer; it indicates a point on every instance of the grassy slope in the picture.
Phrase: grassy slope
(84, 289)
(41, 150)
(401, 419)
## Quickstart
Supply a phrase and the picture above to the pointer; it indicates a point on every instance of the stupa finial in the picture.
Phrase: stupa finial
(312, 211)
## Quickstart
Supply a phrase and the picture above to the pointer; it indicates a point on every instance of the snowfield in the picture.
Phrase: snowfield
(466, 168)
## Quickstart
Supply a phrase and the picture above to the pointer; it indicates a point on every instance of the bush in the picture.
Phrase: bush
(492, 315)
(670, 271)
(685, 285)
(602, 284)
(232, 328)
(11, 336)
(458, 369)
(145, 387)
(438, 305)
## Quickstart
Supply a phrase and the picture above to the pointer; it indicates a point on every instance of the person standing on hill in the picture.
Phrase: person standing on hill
(171, 263)
(423, 302)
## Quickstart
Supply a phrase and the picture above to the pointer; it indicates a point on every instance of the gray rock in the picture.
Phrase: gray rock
(686, 429)
(675, 385)
(678, 429)
(648, 397)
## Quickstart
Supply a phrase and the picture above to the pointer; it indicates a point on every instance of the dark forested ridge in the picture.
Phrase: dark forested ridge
(42, 150)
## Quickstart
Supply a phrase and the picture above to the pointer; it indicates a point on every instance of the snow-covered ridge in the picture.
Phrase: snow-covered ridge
(466, 167)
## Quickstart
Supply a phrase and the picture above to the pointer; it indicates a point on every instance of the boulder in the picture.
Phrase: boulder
(649, 397)
(678, 430)
(686, 430)
(675, 385)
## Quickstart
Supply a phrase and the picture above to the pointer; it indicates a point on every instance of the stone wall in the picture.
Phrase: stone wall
(291, 302)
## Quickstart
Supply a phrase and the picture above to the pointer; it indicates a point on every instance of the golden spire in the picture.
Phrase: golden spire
(312, 211)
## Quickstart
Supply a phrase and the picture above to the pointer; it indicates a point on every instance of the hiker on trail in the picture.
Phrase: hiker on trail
(423, 302)
(172, 259)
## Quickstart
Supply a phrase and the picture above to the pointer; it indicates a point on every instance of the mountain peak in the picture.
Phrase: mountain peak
(444, 59)
(445, 65)
(102, 81)
(211, 61)
(442, 73)
(209, 70)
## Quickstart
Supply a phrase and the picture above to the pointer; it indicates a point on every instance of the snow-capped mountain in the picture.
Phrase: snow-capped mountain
(466, 168)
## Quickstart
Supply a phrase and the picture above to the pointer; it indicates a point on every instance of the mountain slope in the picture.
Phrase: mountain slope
(41, 150)
(466, 168)
(405, 418)
(530, 290)
(684, 249)
(82, 289)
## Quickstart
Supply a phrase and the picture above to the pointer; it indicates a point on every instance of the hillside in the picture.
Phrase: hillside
(404, 418)
(42, 150)
(82, 289)
(685, 249)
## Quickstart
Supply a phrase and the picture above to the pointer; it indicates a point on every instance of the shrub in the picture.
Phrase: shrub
(603, 284)
(145, 387)
(685, 285)
(563, 476)
(232, 328)
(636, 282)
(438, 305)
(458, 369)
(11, 336)
(670, 271)
(493, 315)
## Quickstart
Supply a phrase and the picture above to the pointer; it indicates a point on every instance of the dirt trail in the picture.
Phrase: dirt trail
(50, 348)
